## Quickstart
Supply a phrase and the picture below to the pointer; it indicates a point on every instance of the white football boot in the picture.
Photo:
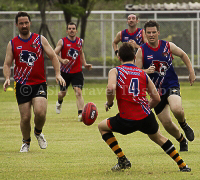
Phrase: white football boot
(25, 147)
(41, 141)
(80, 117)
(58, 107)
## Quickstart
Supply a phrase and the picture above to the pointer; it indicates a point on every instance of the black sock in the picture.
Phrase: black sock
(79, 112)
(60, 102)
(169, 148)
(27, 141)
(37, 132)
(181, 138)
(182, 124)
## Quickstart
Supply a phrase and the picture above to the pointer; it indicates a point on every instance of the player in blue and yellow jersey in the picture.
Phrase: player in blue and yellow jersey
(133, 34)
(72, 58)
(155, 57)
(130, 85)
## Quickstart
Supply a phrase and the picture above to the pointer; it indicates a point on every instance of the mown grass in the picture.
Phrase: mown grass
(76, 151)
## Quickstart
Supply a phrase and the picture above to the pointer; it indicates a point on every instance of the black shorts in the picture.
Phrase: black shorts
(76, 79)
(147, 125)
(159, 108)
(25, 93)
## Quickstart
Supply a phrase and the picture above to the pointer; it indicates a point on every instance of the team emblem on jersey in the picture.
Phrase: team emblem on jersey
(160, 67)
(165, 54)
(34, 45)
(28, 57)
(73, 53)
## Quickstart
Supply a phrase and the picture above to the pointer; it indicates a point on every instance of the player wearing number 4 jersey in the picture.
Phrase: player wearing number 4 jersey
(130, 85)
(71, 59)
(156, 59)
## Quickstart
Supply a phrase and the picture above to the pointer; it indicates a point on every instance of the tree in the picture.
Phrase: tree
(44, 26)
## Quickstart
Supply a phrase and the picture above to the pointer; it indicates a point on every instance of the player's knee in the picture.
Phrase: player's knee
(178, 111)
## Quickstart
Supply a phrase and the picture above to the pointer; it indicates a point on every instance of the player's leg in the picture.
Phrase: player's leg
(172, 128)
(177, 109)
(110, 139)
(25, 125)
(62, 92)
(77, 83)
(39, 103)
(149, 126)
(169, 148)
(79, 102)
(40, 109)
(23, 96)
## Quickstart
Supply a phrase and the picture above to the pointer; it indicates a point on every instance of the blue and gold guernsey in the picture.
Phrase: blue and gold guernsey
(164, 76)
(136, 36)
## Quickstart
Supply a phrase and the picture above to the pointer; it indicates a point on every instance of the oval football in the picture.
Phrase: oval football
(89, 113)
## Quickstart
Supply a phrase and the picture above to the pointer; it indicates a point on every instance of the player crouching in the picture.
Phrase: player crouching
(130, 85)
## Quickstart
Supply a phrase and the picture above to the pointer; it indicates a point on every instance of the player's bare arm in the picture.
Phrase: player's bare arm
(82, 55)
(144, 36)
(111, 88)
(53, 57)
(116, 41)
(139, 62)
(153, 93)
(179, 52)
(57, 51)
(7, 65)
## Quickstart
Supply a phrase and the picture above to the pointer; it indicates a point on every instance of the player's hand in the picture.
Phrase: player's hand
(192, 78)
(65, 61)
(60, 80)
(6, 84)
(150, 70)
(88, 66)
(107, 106)
(133, 43)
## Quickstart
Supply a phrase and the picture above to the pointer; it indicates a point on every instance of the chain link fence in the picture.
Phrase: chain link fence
(180, 27)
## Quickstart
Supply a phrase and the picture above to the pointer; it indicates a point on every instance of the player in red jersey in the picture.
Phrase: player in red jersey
(27, 50)
(71, 59)
(130, 85)
(133, 34)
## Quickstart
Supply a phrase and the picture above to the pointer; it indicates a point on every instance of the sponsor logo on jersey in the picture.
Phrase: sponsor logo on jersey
(68, 45)
(19, 47)
(150, 57)
(161, 67)
(28, 57)
(126, 38)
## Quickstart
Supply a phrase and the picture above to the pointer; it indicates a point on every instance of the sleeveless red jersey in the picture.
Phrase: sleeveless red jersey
(71, 51)
(29, 60)
(131, 92)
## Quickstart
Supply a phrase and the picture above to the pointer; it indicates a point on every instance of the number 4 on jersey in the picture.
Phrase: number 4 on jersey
(134, 86)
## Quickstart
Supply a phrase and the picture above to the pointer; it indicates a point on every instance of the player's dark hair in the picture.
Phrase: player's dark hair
(22, 14)
(71, 23)
(151, 23)
(132, 14)
(127, 52)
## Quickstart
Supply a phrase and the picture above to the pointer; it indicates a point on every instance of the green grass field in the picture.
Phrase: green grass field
(76, 151)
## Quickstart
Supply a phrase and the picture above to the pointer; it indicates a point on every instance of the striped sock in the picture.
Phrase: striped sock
(110, 139)
(169, 148)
